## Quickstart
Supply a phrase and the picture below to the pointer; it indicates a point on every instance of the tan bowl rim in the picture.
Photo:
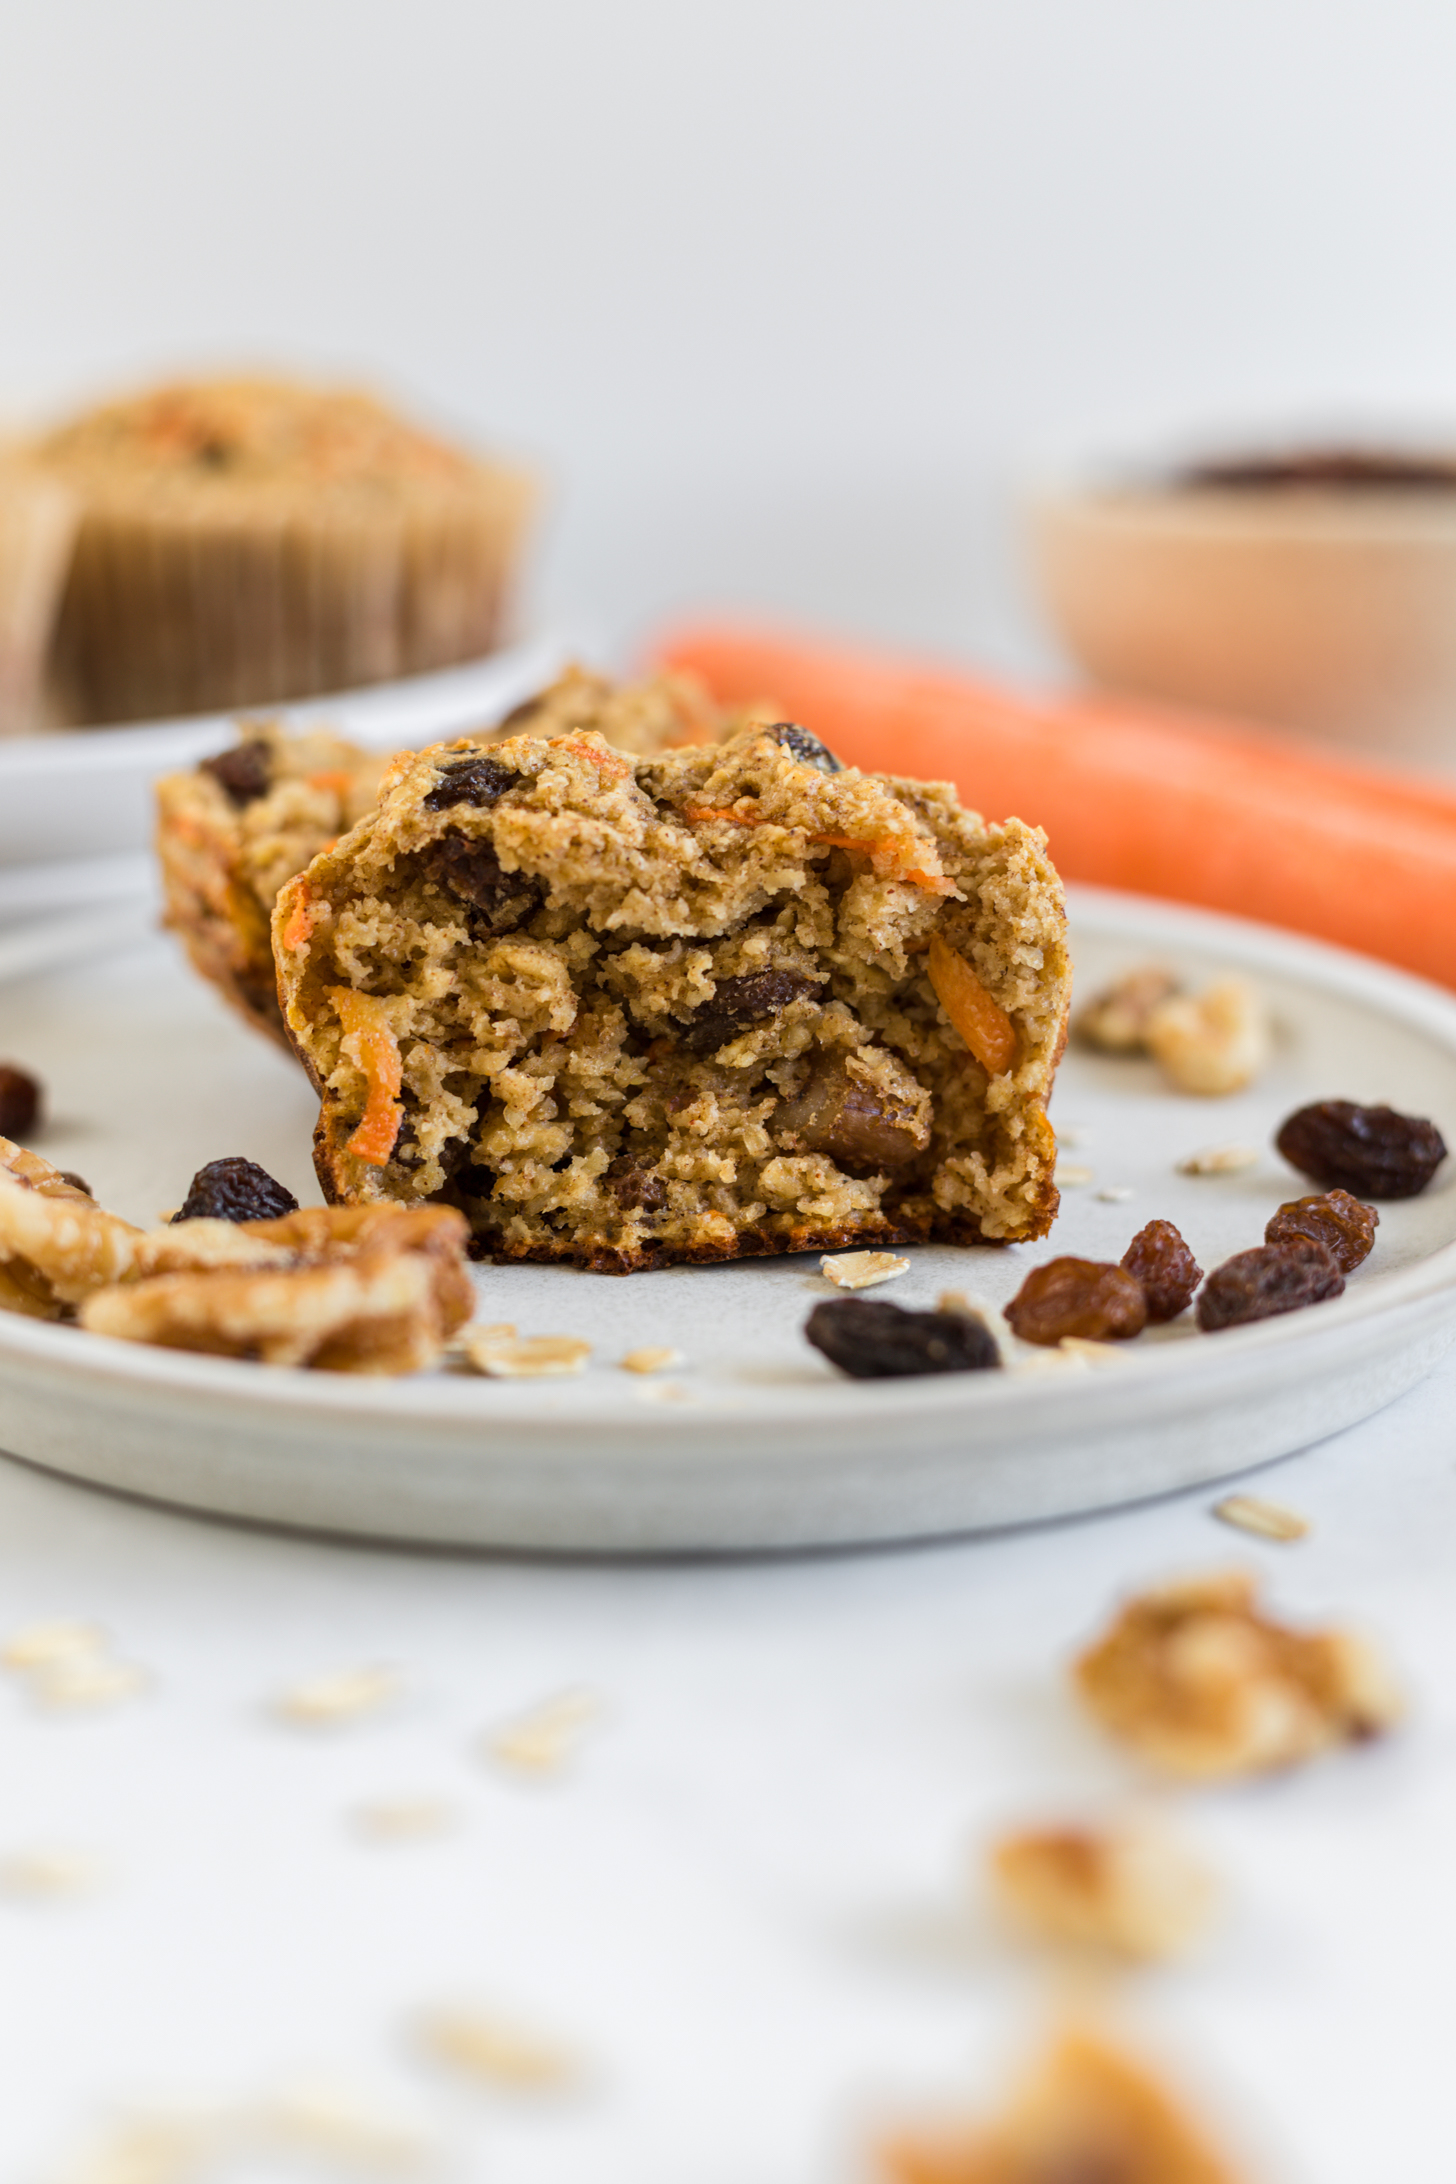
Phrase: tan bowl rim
(1324, 515)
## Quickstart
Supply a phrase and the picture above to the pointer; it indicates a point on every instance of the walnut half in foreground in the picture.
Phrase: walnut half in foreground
(719, 1002)
(376, 1289)
(1127, 1887)
(1201, 1684)
(1086, 2114)
(368, 1289)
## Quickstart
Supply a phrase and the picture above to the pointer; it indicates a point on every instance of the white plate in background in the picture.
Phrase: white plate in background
(87, 792)
(756, 1443)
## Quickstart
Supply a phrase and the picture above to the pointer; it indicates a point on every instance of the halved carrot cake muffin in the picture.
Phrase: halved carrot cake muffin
(714, 1003)
(231, 832)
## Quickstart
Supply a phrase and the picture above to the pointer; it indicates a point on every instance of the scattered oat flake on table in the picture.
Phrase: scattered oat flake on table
(144, 2151)
(1270, 1520)
(49, 1872)
(500, 2053)
(41, 1645)
(862, 1269)
(1114, 1194)
(86, 1680)
(666, 1391)
(1220, 1160)
(543, 1740)
(348, 2127)
(346, 1695)
(403, 1819)
(526, 1357)
(651, 1360)
(1071, 1175)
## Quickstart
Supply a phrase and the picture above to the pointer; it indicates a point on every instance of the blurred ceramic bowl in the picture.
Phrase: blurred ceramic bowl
(1316, 591)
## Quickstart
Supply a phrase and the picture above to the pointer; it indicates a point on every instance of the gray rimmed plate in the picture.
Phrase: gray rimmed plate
(753, 1442)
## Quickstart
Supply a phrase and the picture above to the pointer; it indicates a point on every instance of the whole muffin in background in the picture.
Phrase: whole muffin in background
(37, 530)
(246, 541)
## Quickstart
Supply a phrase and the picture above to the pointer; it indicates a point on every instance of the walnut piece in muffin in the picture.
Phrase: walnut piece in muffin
(724, 1001)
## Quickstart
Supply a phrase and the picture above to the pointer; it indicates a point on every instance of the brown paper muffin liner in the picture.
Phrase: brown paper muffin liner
(38, 519)
(186, 610)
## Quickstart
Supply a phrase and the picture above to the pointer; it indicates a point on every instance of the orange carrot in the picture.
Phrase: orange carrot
(377, 1054)
(1201, 811)
(335, 778)
(298, 923)
(984, 1025)
(608, 762)
(879, 845)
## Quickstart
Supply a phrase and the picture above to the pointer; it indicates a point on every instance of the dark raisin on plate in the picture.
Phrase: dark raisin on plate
(871, 1341)
(1090, 1298)
(1374, 1152)
(235, 1190)
(245, 772)
(1270, 1279)
(1334, 1219)
(1164, 1268)
(20, 1101)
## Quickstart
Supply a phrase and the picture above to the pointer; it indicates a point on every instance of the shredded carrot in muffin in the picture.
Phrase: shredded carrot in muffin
(300, 917)
(879, 846)
(377, 1054)
(984, 1025)
(333, 778)
(608, 762)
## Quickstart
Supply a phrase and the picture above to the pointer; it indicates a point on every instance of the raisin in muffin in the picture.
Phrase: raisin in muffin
(231, 832)
(249, 540)
(723, 1001)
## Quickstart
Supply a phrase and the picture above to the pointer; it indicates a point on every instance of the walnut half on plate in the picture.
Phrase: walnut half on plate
(339, 1289)
(366, 1289)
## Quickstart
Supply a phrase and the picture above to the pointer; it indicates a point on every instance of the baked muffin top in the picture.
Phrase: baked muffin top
(214, 440)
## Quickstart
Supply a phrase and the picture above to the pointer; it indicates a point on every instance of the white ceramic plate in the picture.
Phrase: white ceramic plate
(754, 1442)
(87, 791)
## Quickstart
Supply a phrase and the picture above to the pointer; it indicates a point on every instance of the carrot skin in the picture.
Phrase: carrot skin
(1202, 812)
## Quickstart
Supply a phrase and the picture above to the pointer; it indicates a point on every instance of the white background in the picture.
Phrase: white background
(784, 295)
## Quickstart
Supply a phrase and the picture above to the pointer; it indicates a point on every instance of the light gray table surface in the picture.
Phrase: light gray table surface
(750, 1905)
